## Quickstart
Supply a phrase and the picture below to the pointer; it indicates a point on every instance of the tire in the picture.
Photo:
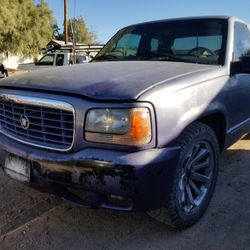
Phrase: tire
(195, 178)
(5, 74)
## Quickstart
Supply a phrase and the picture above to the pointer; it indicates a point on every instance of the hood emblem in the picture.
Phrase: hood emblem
(24, 121)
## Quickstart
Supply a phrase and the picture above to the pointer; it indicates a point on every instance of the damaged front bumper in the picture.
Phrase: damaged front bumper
(98, 177)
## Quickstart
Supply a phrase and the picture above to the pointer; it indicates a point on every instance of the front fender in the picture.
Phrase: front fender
(176, 110)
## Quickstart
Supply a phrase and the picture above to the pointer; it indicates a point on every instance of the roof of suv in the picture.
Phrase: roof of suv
(192, 18)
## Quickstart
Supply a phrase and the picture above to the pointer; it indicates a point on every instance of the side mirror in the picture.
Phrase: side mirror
(242, 66)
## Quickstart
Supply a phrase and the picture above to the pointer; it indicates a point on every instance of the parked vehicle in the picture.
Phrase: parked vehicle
(3, 71)
(55, 59)
(141, 127)
(61, 59)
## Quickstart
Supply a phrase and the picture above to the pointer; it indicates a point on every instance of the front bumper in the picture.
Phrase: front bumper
(110, 179)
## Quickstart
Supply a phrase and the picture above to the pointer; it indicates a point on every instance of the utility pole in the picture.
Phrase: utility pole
(73, 41)
(66, 22)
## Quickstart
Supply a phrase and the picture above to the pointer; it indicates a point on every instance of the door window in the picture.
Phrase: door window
(241, 41)
(59, 60)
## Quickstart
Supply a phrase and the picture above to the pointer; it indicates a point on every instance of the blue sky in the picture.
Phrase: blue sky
(106, 17)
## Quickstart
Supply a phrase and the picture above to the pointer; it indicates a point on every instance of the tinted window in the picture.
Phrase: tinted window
(212, 43)
(241, 41)
(127, 45)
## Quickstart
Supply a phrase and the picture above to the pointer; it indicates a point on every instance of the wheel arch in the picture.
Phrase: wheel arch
(217, 121)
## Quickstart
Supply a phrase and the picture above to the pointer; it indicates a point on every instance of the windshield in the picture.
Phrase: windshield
(195, 41)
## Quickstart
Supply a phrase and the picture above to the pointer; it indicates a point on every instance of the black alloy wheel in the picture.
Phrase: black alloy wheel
(197, 175)
(195, 178)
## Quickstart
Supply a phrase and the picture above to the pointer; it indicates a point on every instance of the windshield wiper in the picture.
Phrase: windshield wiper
(172, 58)
(162, 56)
(105, 58)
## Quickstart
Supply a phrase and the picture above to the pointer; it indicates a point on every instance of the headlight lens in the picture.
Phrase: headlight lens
(114, 121)
(119, 126)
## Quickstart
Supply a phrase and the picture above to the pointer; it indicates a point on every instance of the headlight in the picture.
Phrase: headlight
(119, 126)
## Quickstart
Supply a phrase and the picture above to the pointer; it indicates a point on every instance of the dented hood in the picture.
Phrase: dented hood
(105, 80)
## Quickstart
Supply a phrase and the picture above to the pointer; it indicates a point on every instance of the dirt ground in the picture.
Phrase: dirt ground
(33, 220)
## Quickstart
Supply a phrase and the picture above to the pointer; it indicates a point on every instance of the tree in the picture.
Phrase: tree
(25, 27)
(82, 33)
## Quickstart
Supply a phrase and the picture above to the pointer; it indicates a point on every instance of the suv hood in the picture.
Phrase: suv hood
(108, 80)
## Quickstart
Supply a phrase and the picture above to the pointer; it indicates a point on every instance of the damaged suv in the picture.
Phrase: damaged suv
(140, 128)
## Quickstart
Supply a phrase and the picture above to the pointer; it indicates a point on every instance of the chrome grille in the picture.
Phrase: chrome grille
(50, 124)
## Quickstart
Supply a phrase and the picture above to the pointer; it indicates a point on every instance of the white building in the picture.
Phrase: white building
(12, 61)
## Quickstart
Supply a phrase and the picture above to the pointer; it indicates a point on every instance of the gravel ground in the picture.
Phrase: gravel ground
(33, 220)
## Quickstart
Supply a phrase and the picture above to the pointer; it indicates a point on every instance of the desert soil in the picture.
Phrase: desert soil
(33, 220)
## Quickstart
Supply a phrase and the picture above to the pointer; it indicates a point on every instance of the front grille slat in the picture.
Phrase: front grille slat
(49, 127)
(42, 139)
